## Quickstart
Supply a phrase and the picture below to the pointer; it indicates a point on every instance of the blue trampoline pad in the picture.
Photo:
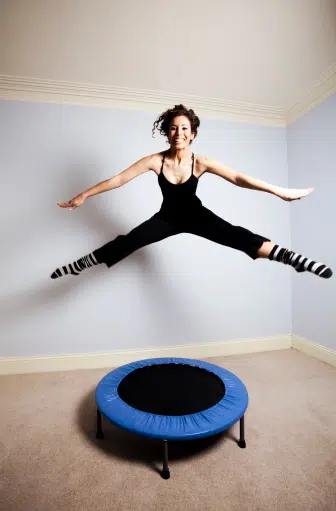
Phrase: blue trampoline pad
(172, 398)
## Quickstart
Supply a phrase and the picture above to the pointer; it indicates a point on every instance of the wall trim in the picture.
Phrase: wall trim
(53, 91)
(21, 88)
(71, 362)
(320, 90)
(314, 350)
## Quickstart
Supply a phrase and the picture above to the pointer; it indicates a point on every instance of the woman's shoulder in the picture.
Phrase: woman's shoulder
(201, 160)
(201, 164)
(156, 161)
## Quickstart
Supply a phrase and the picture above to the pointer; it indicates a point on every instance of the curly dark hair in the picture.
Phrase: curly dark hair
(162, 123)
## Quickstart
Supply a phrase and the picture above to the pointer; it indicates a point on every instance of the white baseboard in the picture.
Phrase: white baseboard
(23, 365)
(314, 350)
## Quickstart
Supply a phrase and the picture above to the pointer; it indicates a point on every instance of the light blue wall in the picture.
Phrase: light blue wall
(182, 290)
(312, 163)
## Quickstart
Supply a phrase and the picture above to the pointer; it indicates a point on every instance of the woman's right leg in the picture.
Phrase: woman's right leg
(152, 230)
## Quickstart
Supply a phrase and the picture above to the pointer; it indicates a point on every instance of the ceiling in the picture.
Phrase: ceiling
(263, 57)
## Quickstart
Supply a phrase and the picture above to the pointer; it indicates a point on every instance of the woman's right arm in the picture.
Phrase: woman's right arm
(139, 167)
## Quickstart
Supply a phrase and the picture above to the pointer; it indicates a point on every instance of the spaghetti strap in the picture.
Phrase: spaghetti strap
(163, 159)
(192, 168)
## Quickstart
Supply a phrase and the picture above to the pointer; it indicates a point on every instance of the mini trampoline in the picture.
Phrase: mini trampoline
(172, 399)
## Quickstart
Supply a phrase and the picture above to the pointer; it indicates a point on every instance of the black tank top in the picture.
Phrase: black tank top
(178, 197)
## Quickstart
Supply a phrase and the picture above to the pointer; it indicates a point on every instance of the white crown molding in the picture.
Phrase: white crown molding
(51, 91)
(320, 90)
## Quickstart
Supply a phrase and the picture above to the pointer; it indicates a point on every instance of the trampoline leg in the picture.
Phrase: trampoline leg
(165, 474)
(242, 442)
(99, 433)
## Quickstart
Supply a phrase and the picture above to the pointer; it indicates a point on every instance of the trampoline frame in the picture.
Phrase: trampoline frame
(112, 380)
(165, 473)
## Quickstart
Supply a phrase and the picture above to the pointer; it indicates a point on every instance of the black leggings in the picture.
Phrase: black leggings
(200, 221)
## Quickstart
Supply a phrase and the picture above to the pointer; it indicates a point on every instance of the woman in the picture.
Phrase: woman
(178, 171)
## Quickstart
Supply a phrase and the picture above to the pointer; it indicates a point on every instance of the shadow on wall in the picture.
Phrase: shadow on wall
(165, 303)
(130, 447)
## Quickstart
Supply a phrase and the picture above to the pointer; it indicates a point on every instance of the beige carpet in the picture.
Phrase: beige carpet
(51, 460)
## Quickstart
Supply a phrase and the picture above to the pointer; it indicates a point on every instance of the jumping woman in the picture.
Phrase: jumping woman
(178, 170)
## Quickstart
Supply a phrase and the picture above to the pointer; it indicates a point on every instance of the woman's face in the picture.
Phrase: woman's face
(180, 134)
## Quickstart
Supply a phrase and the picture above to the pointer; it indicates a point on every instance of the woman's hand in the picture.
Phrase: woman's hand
(289, 194)
(74, 203)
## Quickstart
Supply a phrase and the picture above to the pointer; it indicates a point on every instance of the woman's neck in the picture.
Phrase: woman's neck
(179, 158)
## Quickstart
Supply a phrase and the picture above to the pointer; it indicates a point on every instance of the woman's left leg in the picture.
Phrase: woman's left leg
(210, 226)
(203, 222)
(298, 261)
(265, 249)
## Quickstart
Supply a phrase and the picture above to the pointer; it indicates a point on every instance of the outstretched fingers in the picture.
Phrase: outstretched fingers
(66, 205)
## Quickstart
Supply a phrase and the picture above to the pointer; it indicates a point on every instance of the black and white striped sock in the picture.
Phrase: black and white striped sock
(299, 262)
(76, 267)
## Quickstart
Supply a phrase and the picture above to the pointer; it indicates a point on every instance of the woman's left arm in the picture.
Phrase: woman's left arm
(244, 181)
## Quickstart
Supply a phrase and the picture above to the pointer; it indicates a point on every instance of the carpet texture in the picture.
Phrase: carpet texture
(50, 459)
